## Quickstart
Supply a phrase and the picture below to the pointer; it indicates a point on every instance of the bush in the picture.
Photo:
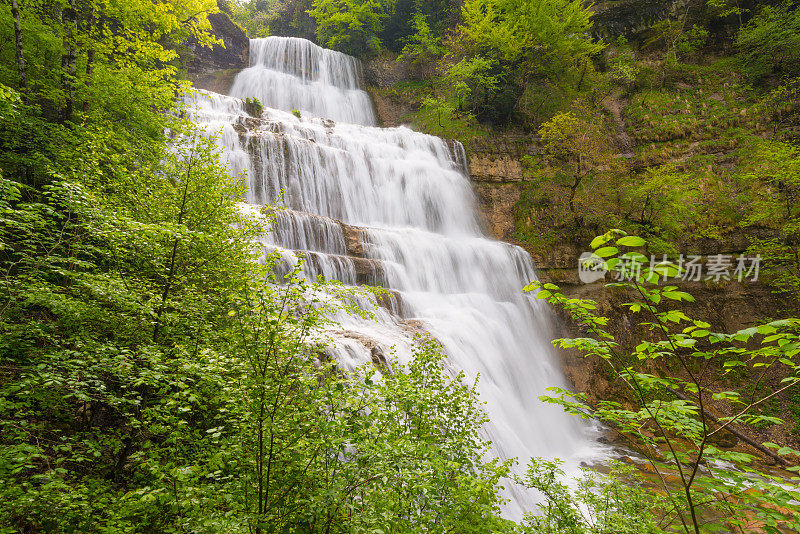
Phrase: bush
(350, 26)
(770, 42)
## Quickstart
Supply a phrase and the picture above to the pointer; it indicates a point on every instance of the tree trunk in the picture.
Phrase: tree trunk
(69, 58)
(18, 39)
(583, 75)
(173, 257)
(90, 53)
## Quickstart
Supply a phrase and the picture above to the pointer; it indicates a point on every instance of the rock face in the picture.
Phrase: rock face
(384, 71)
(498, 177)
(632, 17)
(215, 68)
(382, 74)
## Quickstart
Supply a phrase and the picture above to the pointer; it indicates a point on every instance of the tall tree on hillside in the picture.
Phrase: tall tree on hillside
(19, 53)
(69, 57)
(580, 151)
(770, 42)
(351, 26)
(526, 41)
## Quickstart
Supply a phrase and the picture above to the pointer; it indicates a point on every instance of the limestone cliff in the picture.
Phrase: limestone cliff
(215, 68)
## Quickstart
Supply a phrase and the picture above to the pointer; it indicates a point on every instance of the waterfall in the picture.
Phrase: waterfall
(294, 74)
(392, 207)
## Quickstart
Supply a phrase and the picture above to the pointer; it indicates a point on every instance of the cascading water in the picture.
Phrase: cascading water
(405, 202)
(294, 74)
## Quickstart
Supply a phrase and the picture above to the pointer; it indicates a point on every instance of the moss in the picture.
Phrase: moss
(793, 401)
(253, 107)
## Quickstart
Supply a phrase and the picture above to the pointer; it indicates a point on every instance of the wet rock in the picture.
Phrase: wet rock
(724, 440)
(384, 71)
(379, 359)
(353, 240)
(369, 272)
(393, 301)
(497, 167)
(219, 81)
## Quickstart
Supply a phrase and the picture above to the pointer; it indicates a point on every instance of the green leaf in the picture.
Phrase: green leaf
(631, 241)
(606, 252)
(599, 240)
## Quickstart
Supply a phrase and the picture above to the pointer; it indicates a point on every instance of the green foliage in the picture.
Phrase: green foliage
(537, 33)
(262, 18)
(441, 117)
(257, 16)
(580, 153)
(316, 448)
(669, 201)
(727, 8)
(155, 377)
(624, 68)
(667, 415)
(160, 380)
(524, 43)
(593, 504)
(773, 170)
(471, 81)
(570, 196)
(107, 296)
(770, 42)
(676, 39)
(253, 106)
(422, 46)
(72, 60)
(350, 26)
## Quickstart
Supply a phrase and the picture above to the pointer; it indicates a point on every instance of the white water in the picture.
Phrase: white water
(294, 74)
(411, 195)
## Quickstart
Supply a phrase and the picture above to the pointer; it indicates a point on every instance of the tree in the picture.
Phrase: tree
(678, 42)
(534, 35)
(422, 46)
(18, 51)
(770, 42)
(525, 42)
(726, 8)
(155, 377)
(592, 504)
(668, 203)
(390, 447)
(350, 26)
(772, 170)
(580, 149)
(471, 81)
(677, 381)
(257, 16)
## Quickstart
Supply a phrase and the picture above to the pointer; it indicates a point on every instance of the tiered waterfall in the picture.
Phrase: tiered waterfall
(392, 207)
